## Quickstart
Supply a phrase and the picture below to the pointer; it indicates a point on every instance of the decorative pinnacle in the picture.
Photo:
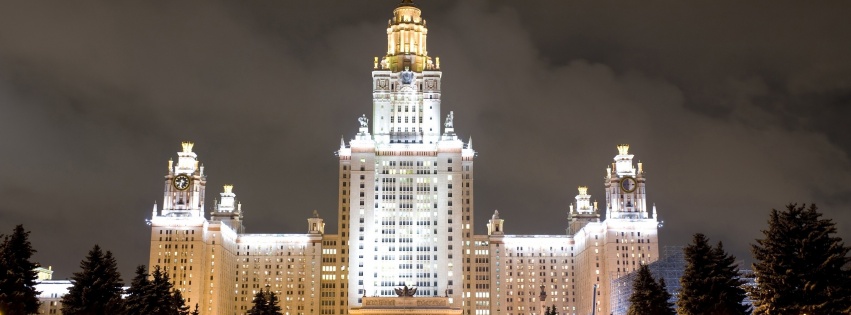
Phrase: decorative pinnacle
(623, 149)
(406, 3)
(187, 146)
(583, 190)
(228, 189)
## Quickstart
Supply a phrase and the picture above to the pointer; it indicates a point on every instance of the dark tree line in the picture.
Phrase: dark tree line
(17, 275)
(97, 290)
(801, 267)
(153, 295)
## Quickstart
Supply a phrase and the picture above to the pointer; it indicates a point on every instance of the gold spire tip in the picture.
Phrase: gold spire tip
(187, 146)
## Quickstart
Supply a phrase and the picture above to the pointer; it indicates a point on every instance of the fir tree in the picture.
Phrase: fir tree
(195, 312)
(260, 304)
(97, 288)
(17, 275)
(663, 298)
(648, 296)
(136, 302)
(265, 303)
(551, 311)
(164, 298)
(179, 302)
(729, 286)
(274, 307)
(695, 285)
(710, 283)
(801, 266)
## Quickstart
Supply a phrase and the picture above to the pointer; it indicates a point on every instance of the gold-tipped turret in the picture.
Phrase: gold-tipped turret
(406, 41)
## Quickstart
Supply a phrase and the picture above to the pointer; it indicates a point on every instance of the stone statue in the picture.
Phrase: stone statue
(405, 291)
(449, 118)
(363, 121)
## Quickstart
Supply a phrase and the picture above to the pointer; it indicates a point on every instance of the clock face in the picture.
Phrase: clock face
(628, 184)
(181, 182)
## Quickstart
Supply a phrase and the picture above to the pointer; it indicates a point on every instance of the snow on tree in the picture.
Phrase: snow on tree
(801, 266)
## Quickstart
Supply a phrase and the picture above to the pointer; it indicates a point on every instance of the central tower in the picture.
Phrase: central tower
(406, 83)
(406, 187)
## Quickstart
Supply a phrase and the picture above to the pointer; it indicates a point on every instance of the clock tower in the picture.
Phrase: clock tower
(625, 193)
(183, 193)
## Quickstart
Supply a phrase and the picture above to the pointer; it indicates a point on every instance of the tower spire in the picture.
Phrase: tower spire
(406, 40)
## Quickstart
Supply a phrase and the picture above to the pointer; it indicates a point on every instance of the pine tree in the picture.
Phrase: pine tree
(695, 285)
(97, 288)
(136, 302)
(801, 266)
(551, 310)
(160, 293)
(648, 296)
(154, 295)
(17, 275)
(729, 286)
(663, 298)
(179, 302)
(196, 312)
(265, 303)
(710, 283)
(260, 304)
(274, 307)
(165, 299)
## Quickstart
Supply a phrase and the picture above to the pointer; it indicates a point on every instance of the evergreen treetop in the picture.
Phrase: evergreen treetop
(154, 295)
(801, 266)
(711, 283)
(265, 303)
(18, 295)
(97, 288)
(649, 297)
(137, 294)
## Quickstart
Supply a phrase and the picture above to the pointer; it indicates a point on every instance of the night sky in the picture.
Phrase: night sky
(734, 108)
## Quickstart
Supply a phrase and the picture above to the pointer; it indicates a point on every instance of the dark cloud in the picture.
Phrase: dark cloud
(734, 108)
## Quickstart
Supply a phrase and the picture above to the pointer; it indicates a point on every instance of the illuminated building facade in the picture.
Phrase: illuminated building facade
(405, 216)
